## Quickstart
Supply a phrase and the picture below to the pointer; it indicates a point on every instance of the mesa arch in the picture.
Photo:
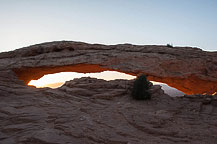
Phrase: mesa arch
(187, 69)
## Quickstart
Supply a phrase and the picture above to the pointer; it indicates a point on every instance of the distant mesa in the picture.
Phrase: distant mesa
(187, 69)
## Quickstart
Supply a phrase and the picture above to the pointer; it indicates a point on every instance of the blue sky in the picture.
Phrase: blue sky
(180, 22)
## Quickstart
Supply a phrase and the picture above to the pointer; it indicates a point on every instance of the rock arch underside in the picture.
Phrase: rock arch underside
(89, 110)
(190, 70)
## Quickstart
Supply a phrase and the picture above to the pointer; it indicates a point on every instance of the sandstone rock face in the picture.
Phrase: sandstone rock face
(190, 70)
(92, 111)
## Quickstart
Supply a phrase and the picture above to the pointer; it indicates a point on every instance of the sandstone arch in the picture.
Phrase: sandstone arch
(190, 70)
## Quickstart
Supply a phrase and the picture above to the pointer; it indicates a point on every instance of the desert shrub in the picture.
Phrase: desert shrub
(140, 88)
(170, 45)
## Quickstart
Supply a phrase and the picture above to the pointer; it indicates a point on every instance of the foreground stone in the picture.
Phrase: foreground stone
(92, 111)
(190, 70)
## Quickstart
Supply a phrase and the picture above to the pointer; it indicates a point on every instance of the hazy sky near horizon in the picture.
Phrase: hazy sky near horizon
(179, 22)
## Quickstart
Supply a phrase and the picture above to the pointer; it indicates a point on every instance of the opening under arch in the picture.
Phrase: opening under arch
(34, 73)
(58, 79)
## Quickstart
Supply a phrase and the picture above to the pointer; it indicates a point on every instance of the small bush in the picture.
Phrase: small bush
(170, 45)
(140, 88)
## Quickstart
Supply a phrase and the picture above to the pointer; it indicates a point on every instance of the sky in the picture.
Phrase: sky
(147, 22)
(58, 79)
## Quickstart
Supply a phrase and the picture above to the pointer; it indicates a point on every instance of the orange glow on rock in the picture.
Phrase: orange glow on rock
(58, 79)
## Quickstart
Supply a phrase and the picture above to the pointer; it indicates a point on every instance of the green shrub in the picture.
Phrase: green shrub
(170, 45)
(140, 88)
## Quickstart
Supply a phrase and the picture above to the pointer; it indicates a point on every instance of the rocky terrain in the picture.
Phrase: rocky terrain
(89, 110)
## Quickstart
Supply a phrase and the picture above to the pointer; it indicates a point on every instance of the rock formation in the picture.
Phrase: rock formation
(94, 111)
(190, 70)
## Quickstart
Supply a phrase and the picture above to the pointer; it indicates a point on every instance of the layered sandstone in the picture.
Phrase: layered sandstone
(190, 70)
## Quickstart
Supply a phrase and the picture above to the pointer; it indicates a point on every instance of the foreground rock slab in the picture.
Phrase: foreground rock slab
(190, 70)
(95, 111)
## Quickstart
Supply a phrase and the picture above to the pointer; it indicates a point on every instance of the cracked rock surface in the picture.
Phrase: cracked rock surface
(94, 111)
(91, 111)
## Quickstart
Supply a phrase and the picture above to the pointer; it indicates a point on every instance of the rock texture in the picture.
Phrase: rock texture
(94, 111)
(190, 70)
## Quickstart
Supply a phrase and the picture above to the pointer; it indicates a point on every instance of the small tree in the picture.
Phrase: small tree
(170, 45)
(140, 88)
